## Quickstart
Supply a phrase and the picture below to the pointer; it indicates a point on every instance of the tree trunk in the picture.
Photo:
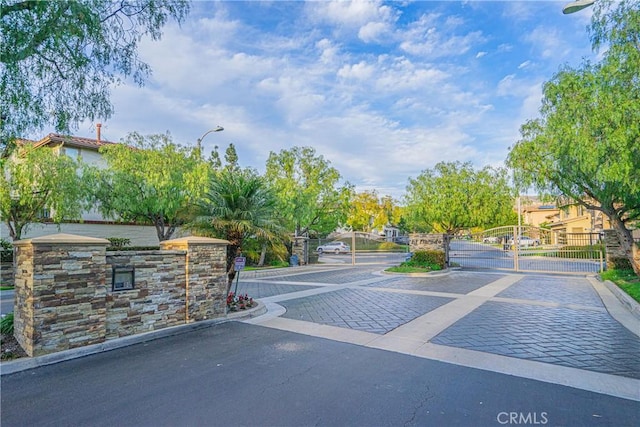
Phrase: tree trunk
(626, 242)
(263, 255)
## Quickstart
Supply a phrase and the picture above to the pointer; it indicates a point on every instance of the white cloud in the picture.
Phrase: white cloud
(382, 98)
(525, 64)
(430, 38)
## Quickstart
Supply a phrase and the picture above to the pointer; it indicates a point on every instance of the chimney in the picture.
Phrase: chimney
(98, 126)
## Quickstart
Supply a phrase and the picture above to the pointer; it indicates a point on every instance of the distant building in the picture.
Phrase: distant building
(91, 224)
(537, 216)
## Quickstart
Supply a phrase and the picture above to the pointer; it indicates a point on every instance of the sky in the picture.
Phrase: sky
(382, 90)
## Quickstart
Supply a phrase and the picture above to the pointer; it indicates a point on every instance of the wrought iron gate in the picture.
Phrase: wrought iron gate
(527, 248)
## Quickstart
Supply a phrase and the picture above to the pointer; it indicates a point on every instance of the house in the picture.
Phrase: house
(575, 224)
(539, 215)
(91, 224)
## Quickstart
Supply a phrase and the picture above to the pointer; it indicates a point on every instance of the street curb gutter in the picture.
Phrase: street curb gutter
(631, 304)
(26, 363)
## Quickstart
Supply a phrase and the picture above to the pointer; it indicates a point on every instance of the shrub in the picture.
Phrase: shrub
(387, 246)
(134, 248)
(119, 242)
(6, 324)
(6, 251)
(429, 257)
(620, 263)
(278, 263)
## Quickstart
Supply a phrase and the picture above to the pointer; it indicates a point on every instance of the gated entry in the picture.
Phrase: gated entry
(527, 248)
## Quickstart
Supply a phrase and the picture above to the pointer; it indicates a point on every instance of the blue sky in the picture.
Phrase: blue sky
(383, 90)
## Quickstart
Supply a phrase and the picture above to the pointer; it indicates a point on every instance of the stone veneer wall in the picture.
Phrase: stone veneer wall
(64, 298)
(614, 249)
(430, 242)
(59, 293)
(206, 276)
(300, 247)
(158, 298)
(6, 273)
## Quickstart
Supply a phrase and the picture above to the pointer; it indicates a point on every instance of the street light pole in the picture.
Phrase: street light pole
(199, 143)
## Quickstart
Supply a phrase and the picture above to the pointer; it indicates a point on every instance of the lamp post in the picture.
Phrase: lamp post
(199, 143)
(576, 6)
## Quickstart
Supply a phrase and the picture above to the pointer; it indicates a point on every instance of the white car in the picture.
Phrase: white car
(491, 239)
(336, 247)
(526, 241)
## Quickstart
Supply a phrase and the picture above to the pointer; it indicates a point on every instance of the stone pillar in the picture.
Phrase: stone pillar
(206, 278)
(60, 292)
(300, 247)
(430, 242)
(616, 256)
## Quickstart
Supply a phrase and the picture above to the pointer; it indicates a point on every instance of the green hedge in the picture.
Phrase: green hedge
(134, 248)
(429, 257)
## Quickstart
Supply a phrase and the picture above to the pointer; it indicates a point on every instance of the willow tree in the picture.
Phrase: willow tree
(60, 59)
(149, 179)
(310, 196)
(454, 196)
(586, 144)
(37, 179)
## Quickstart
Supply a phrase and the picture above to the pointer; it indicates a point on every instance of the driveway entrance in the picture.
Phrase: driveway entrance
(528, 249)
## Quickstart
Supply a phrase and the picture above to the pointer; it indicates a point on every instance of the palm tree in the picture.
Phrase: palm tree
(237, 205)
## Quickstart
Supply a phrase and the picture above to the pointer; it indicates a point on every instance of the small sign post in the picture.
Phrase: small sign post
(239, 263)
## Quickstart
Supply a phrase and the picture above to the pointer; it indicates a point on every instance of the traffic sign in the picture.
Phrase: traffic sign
(240, 262)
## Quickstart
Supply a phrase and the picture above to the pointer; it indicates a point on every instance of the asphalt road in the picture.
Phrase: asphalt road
(6, 302)
(239, 374)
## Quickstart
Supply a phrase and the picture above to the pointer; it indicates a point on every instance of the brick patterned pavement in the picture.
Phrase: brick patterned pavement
(565, 324)
(364, 310)
(458, 283)
(547, 288)
(336, 277)
(583, 339)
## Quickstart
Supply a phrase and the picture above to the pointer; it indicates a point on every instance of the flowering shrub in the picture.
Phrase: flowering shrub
(239, 302)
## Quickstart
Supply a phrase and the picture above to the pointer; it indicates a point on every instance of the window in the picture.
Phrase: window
(74, 153)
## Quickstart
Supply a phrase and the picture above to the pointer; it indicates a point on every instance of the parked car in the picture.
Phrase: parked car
(336, 247)
(525, 241)
(491, 239)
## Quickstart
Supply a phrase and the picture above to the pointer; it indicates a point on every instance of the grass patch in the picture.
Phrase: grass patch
(413, 269)
(421, 262)
(6, 324)
(627, 280)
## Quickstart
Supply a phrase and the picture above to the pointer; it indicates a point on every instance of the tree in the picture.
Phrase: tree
(59, 59)
(237, 205)
(38, 179)
(150, 179)
(369, 212)
(453, 196)
(309, 195)
(585, 146)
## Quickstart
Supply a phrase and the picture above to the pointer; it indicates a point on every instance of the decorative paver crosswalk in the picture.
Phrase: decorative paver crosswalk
(361, 309)
(550, 320)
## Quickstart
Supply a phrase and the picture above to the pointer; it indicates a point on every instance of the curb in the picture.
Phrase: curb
(629, 303)
(26, 363)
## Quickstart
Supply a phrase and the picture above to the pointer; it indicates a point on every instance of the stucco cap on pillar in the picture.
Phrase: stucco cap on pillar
(62, 239)
(195, 240)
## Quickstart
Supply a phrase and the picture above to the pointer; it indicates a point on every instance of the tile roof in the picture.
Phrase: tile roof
(68, 140)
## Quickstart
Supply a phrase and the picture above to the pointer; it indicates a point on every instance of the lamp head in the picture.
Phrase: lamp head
(576, 6)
